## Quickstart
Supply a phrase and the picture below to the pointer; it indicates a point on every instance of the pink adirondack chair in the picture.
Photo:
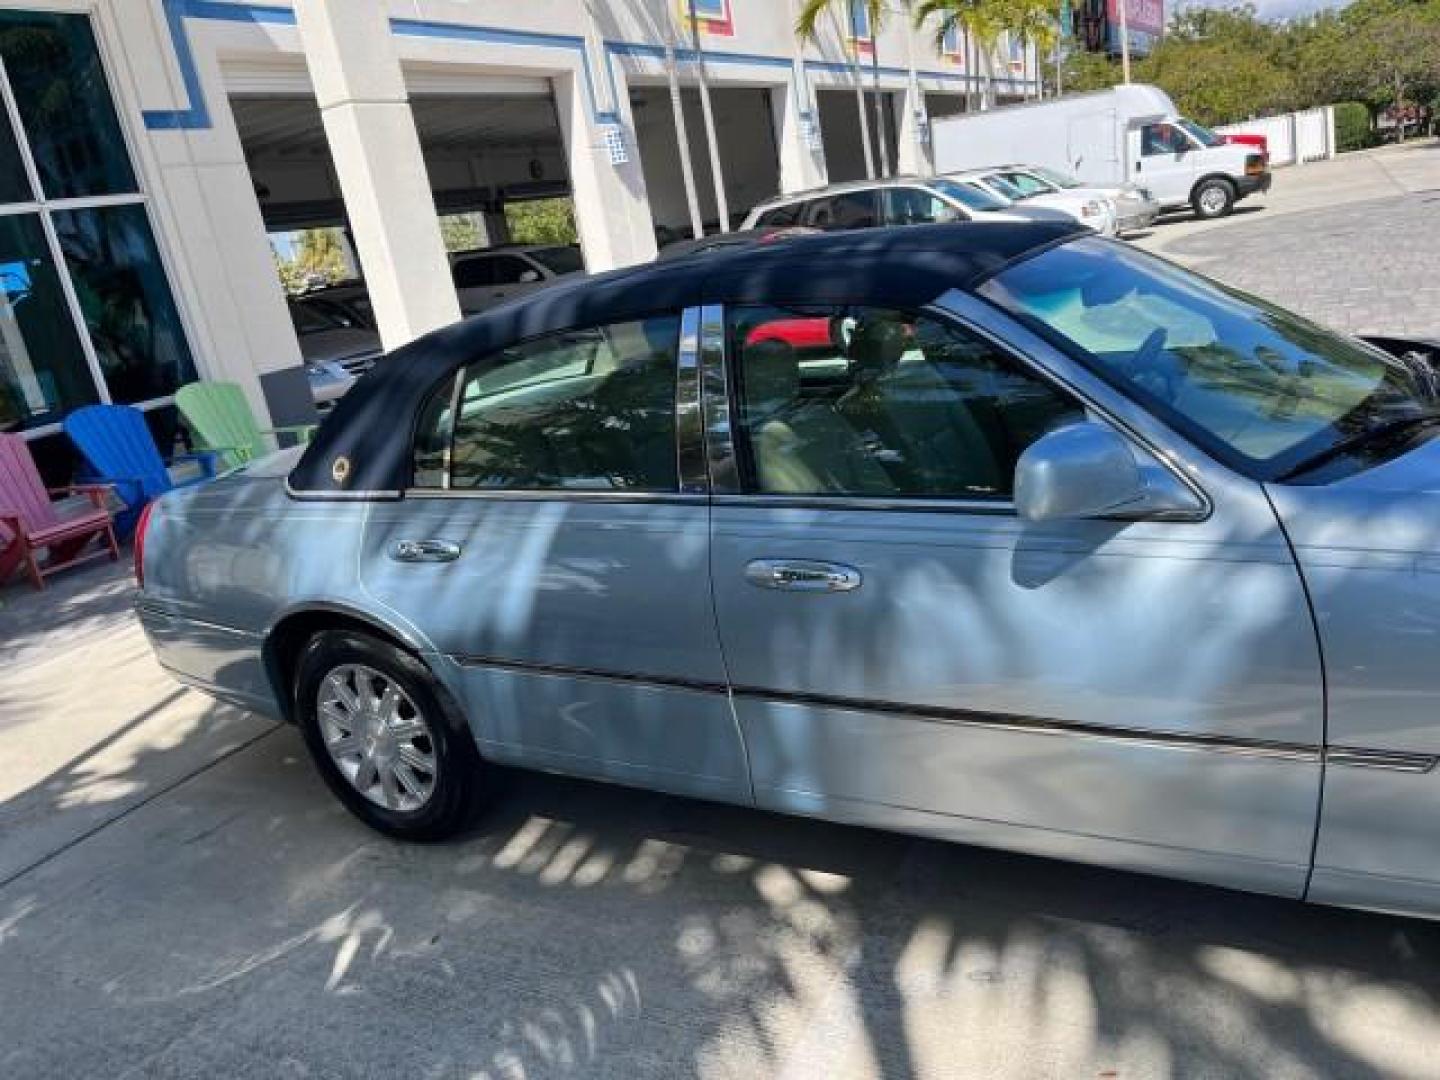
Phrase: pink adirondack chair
(31, 523)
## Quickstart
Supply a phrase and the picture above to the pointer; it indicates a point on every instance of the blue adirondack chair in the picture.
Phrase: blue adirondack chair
(119, 450)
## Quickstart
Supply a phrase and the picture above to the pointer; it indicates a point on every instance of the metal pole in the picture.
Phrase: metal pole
(712, 140)
(1124, 6)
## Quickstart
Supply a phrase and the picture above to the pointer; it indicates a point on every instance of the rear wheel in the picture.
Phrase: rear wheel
(377, 728)
(1213, 198)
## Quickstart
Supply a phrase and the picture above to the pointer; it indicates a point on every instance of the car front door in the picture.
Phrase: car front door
(906, 652)
(553, 552)
(1164, 161)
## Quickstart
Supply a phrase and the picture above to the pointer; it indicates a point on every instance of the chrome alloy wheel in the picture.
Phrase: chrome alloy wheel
(377, 738)
(1212, 199)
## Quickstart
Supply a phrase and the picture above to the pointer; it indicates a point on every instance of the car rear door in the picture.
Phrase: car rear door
(553, 550)
(906, 652)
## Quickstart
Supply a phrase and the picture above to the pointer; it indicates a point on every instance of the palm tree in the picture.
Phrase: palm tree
(1033, 22)
(877, 13)
(981, 21)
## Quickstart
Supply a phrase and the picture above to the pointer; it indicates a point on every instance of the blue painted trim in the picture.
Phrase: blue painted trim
(490, 35)
(176, 11)
(197, 115)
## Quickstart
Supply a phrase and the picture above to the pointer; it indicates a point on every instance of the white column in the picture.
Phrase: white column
(913, 155)
(802, 165)
(221, 268)
(376, 152)
(612, 209)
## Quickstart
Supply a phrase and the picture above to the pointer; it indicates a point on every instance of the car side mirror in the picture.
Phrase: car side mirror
(1087, 470)
(529, 277)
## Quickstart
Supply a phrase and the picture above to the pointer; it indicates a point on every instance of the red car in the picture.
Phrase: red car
(1258, 141)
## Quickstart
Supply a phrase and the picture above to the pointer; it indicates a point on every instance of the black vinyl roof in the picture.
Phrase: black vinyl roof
(371, 426)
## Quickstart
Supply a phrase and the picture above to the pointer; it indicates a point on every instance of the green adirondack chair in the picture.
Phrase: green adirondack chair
(219, 417)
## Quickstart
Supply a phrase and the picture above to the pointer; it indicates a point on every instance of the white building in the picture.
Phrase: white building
(150, 146)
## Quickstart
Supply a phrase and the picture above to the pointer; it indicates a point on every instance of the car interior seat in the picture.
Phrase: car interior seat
(800, 446)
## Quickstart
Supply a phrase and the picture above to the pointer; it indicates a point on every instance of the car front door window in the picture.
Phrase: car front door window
(869, 402)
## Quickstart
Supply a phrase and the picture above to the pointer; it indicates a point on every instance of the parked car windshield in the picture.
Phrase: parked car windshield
(968, 195)
(1259, 388)
(1053, 176)
(563, 259)
(1203, 135)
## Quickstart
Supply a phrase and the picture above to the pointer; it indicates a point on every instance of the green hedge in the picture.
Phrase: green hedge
(1352, 126)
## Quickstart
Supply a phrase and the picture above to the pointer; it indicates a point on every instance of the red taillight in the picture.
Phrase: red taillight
(140, 529)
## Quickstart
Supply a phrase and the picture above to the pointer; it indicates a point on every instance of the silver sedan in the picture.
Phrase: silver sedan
(1007, 534)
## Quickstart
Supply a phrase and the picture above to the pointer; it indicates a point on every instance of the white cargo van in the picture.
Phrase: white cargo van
(1127, 134)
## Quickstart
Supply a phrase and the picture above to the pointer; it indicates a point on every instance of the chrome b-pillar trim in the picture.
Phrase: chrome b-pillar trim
(689, 421)
(715, 397)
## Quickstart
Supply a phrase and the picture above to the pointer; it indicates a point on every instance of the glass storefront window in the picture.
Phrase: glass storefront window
(54, 68)
(14, 184)
(43, 373)
(126, 300)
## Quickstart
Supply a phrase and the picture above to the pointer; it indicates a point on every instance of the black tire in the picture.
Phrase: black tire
(1213, 198)
(459, 779)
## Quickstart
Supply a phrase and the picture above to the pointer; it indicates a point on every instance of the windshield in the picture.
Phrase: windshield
(1053, 176)
(1261, 389)
(1013, 192)
(559, 260)
(1203, 135)
(968, 195)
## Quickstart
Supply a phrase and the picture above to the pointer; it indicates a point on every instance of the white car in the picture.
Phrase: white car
(1135, 207)
(490, 276)
(1096, 211)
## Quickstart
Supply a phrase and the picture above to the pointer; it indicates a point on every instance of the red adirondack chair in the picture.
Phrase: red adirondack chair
(30, 522)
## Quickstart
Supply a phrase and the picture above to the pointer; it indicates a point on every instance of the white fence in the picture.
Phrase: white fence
(1294, 138)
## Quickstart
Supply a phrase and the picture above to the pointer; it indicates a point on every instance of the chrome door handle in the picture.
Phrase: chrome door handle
(802, 575)
(424, 551)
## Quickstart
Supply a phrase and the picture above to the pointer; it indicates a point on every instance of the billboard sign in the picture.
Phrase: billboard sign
(1143, 16)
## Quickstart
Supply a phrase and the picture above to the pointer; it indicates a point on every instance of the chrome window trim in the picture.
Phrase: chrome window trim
(690, 468)
(994, 508)
(558, 495)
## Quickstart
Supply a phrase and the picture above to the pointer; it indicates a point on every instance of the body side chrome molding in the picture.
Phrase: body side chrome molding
(931, 714)
(1394, 760)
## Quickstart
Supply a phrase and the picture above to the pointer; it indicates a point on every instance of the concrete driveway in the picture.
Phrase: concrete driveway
(1351, 243)
(181, 897)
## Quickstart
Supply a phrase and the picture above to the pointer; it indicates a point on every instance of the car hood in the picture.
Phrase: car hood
(1035, 213)
(1390, 509)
